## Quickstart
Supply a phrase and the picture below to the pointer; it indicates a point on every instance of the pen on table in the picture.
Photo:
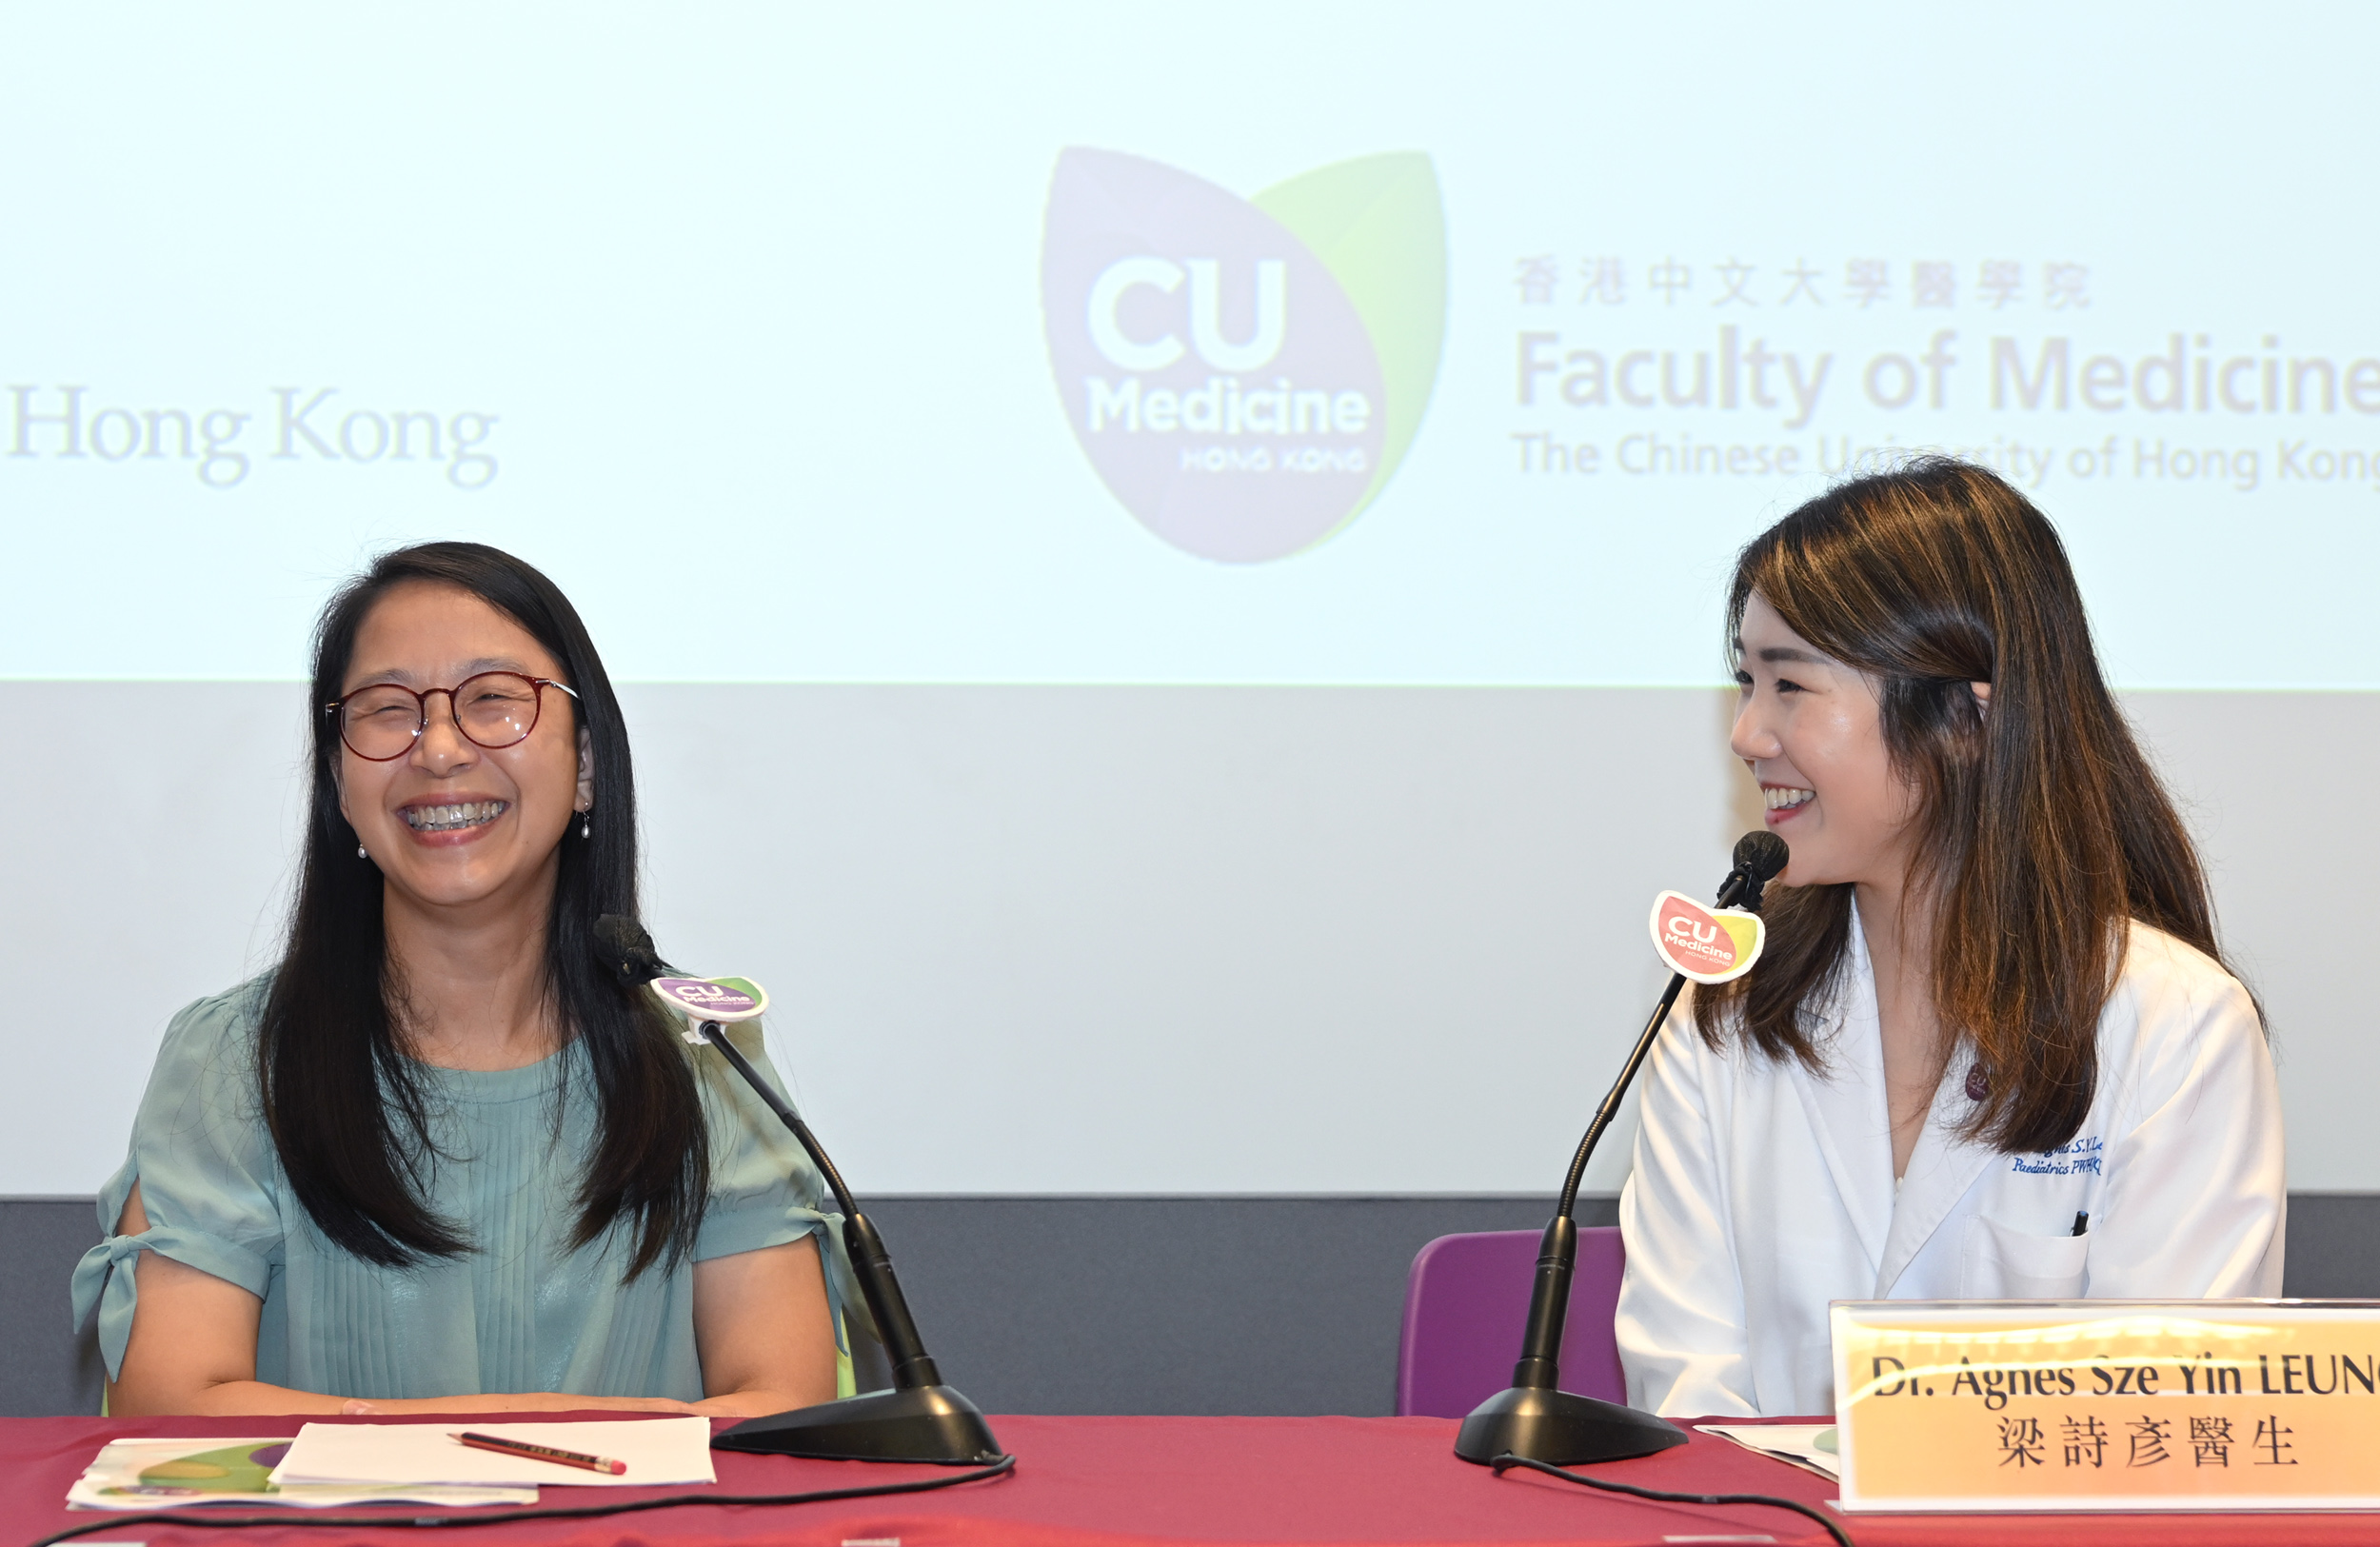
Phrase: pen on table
(541, 1452)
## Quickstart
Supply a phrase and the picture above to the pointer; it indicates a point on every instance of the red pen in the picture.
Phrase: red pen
(543, 1452)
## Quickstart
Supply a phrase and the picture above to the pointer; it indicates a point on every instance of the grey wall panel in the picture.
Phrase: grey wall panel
(45, 1366)
(1254, 1305)
(1248, 1305)
(2333, 1246)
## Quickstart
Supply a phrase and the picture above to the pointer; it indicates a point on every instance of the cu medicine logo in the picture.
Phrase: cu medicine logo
(1243, 374)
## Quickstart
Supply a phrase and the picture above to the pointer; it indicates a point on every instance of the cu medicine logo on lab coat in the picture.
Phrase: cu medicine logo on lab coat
(1243, 374)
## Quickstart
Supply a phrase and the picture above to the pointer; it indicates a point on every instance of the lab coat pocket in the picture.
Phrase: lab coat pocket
(1997, 1262)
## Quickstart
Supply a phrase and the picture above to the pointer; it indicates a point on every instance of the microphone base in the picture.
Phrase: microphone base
(933, 1424)
(1561, 1428)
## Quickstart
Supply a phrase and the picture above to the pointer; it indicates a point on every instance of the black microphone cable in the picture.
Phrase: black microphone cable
(499, 1515)
(1659, 1495)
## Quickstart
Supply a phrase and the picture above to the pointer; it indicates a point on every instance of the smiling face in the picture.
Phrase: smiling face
(453, 824)
(1812, 731)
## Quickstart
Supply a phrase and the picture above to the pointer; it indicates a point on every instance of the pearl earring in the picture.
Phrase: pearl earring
(363, 853)
(586, 826)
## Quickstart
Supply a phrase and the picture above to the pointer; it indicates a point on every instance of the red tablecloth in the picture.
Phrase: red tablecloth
(1137, 1482)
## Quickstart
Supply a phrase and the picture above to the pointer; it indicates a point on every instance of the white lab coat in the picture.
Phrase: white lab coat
(1761, 1191)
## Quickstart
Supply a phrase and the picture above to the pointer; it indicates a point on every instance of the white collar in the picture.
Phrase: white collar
(1851, 1113)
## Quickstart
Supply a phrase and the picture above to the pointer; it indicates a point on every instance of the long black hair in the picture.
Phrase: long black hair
(349, 1109)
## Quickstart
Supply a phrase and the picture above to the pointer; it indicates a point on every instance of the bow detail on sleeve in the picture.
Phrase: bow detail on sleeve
(105, 1281)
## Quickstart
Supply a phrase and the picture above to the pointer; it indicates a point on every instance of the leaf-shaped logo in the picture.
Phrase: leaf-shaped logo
(1243, 375)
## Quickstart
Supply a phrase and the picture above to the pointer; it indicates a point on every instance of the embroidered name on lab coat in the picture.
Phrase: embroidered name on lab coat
(2067, 1160)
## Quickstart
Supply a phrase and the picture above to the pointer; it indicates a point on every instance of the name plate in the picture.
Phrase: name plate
(2231, 1404)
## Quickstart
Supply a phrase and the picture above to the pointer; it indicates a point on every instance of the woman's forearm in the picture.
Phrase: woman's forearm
(234, 1399)
(518, 1401)
(226, 1399)
(755, 1403)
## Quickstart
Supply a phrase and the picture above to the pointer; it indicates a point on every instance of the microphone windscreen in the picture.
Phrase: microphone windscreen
(623, 946)
(1760, 854)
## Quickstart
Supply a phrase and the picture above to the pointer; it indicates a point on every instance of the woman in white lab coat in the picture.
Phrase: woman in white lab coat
(1992, 1050)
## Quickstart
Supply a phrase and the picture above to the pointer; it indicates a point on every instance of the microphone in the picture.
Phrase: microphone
(623, 946)
(1534, 1419)
(920, 1419)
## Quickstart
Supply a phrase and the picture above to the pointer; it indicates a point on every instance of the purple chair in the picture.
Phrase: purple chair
(1466, 1301)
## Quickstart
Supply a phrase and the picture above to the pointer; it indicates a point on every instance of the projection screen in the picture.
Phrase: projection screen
(1156, 555)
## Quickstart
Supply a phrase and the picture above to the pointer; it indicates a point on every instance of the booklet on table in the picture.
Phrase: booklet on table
(174, 1474)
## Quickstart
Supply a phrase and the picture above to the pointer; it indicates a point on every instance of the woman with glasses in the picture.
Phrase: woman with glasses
(439, 1158)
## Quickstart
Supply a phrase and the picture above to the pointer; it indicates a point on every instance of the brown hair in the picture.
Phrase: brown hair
(2040, 828)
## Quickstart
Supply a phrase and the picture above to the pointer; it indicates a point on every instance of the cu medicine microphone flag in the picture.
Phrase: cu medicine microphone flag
(1709, 945)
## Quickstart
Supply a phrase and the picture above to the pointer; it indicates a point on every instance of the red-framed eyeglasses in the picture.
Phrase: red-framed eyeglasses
(494, 710)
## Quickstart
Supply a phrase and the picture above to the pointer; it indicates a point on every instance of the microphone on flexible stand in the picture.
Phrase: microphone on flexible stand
(1534, 1419)
(920, 1419)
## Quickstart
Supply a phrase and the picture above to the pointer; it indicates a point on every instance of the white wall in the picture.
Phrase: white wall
(1114, 938)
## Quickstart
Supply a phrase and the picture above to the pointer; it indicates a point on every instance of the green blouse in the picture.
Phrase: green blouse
(520, 1312)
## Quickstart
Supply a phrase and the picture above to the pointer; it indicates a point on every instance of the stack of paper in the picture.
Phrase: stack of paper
(657, 1451)
(172, 1474)
(1810, 1446)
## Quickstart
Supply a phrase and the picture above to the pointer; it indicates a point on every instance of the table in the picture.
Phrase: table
(1142, 1482)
